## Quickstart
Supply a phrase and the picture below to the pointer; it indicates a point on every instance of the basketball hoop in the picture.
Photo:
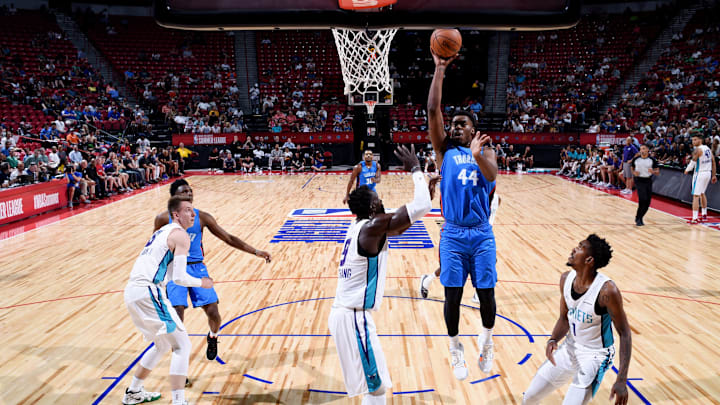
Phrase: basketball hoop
(370, 106)
(364, 60)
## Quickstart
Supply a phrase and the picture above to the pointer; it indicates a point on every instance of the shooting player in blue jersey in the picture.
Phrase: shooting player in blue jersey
(365, 173)
(467, 244)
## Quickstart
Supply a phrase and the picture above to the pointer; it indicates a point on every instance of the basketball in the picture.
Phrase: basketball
(446, 43)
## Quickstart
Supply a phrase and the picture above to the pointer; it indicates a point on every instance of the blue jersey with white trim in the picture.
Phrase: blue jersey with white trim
(367, 175)
(464, 191)
(361, 279)
(196, 253)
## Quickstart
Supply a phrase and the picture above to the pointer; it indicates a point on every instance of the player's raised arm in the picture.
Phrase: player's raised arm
(351, 182)
(232, 240)
(399, 221)
(436, 126)
(611, 299)
(562, 326)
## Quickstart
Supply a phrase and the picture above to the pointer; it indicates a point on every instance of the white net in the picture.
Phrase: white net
(364, 59)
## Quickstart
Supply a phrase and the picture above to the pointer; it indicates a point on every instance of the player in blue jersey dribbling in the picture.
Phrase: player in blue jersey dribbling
(467, 243)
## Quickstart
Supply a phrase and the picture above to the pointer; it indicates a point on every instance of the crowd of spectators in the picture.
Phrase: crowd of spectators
(609, 167)
(93, 170)
(254, 157)
(558, 79)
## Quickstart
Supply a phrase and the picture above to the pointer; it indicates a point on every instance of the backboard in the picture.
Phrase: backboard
(410, 14)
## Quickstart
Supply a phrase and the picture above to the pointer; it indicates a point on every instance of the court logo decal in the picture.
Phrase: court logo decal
(312, 225)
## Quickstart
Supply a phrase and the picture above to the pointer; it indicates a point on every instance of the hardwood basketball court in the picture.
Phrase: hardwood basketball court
(67, 337)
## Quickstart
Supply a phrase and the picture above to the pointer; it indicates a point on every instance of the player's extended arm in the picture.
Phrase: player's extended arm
(713, 178)
(484, 157)
(377, 174)
(562, 326)
(611, 299)
(179, 242)
(232, 240)
(436, 127)
(352, 182)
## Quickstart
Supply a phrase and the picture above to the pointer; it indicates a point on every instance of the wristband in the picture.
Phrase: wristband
(415, 168)
(551, 340)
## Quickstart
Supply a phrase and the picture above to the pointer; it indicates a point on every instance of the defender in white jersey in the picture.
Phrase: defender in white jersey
(589, 304)
(427, 279)
(703, 163)
(361, 282)
(163, 258)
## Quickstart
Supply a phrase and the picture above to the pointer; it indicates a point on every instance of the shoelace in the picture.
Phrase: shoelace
(456, 358)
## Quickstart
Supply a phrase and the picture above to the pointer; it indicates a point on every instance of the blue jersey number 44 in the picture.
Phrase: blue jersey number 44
(465, 178)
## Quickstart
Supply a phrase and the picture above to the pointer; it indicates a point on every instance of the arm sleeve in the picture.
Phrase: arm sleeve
(179, 273)
(421, 204)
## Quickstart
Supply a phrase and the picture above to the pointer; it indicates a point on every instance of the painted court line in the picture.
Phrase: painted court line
(413, 392)
(333, 277)
(485, 379)
(257, 379)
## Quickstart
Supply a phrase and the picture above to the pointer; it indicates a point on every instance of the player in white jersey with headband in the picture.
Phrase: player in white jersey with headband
(361, 282)
(589, 304)
(163, 258)
(703, 164)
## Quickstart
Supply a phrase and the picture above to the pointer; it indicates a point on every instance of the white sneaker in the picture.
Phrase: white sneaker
(457, 362)
(485, 361)
(423, 290)
(626, 191)
(475, 298)
(140, 396)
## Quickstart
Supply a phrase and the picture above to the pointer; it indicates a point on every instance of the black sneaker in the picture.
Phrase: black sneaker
(639, 222)
(188, 383)
(211, 352)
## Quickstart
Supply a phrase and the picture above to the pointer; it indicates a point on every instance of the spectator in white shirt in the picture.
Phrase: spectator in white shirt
(75, 156)
(594, 128)
(53, 159)
(289, 144)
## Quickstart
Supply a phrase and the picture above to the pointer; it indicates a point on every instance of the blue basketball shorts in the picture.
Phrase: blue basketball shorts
(177, 294)
(467, 250)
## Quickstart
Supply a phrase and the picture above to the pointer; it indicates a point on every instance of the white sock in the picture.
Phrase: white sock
(136, 384)
(213, 334)
(454, 342)
(178, 397)
(428, 279)
(695, 214)
(704, 211)
(486, 336)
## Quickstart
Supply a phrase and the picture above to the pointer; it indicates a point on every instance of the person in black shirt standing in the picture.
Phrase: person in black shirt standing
(644, 167)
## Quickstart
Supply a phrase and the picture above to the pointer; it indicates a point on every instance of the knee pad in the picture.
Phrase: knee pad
(151, 358)
(180, 353)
